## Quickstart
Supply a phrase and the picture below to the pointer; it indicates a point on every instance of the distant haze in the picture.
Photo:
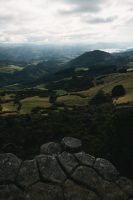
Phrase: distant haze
(67, 22)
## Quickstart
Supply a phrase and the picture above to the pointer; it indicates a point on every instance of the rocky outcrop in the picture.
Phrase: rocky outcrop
(62, 172)
(50, 148)
(71, 145)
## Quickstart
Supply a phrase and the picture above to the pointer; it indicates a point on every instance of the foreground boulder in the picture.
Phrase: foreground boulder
(62, 172)
(28, 174)
(50, 169)
(71, 145)
(85, 159)
(50, 148)
(87, 177)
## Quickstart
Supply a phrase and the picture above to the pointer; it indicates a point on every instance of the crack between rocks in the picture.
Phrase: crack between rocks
(43, 180)
(18, 171)
(69, 177)
(92, 167)
(89, 166)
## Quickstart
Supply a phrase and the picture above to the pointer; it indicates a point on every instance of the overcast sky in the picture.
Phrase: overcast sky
(66, 21)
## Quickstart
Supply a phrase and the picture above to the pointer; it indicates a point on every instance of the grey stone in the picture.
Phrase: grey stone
(50, 148)
(42, 191)
(106, 169)
(110, 191)
(11, 192)
(50, 169)
(87, 177)
(68, 161)
(28, 173)
(85, 159)
(71, 145)
(91, 179)
(73, 191)
(9, 166)
(126, 185)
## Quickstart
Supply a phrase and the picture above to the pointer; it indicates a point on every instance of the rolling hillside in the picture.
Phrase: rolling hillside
(24, 101)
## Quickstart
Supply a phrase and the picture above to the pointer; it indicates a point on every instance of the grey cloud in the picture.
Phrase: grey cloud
(99, 20)
(130, 21)
(83, 6)
(130, 9)
(5, 18)
(5, 21)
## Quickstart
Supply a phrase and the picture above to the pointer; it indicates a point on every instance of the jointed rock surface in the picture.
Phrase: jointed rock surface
(62, 172)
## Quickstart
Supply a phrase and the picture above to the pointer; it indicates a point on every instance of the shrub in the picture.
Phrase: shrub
(118, 91)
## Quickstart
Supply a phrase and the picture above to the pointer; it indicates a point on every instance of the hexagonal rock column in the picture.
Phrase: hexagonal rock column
(50, 169)
(9, 166)
(28, 174)
(71, 144)
(50, 148)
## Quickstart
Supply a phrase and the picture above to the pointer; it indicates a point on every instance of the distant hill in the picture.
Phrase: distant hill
(33, 72)
(18, 73)
(89, 64)
(92, 58)
(128, 53)
(79, 72)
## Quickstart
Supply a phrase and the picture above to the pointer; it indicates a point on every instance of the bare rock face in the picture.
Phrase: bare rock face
(9, 166)
(42, 191)
(50, 169)
(28, 174)
(62, 172)
(73, 191)
(71, 145)
(50, 148)
(106, 169)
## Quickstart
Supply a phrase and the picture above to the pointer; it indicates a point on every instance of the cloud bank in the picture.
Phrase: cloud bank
(66, 21)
